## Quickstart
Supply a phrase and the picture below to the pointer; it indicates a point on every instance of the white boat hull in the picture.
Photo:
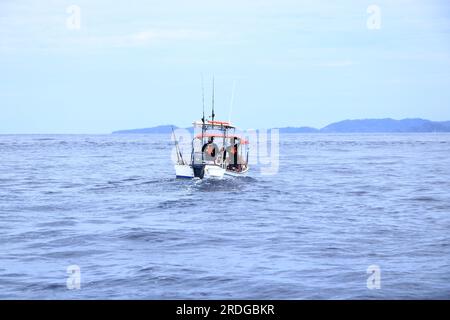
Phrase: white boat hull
(236, 174)
(214, 172)
(184, 171)
(211, 171)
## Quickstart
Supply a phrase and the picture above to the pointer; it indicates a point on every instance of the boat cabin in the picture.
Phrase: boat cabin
(216, 143)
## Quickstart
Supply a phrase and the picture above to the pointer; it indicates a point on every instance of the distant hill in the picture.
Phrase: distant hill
(387, 125)
(345, 126)
(298, 130)
(158, 129)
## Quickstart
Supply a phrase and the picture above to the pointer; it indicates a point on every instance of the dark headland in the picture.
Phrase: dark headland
(346, 126)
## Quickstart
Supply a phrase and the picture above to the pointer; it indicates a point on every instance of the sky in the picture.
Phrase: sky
(95, 66)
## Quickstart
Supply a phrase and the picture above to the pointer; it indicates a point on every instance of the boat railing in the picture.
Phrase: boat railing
(198, 158)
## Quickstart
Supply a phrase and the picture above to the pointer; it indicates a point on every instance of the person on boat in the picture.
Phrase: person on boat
(233, 157)
(210, 149)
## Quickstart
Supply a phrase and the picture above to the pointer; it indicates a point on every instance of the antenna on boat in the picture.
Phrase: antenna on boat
(203, 101)
(232, 101)
(212, 114)
(203, 118)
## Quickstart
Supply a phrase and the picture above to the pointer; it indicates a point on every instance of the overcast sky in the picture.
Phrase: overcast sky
(293, 63)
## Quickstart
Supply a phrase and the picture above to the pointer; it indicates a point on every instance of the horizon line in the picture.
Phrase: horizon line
(175, 126)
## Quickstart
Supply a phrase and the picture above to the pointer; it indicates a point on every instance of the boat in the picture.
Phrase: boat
(216, 150)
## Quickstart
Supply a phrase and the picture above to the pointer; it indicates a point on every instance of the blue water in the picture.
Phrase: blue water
(110, 204)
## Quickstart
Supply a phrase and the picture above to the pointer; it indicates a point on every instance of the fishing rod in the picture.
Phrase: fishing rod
(203, 118)
(212, 114)
(231, 101)
(203, 101)
(179, 155)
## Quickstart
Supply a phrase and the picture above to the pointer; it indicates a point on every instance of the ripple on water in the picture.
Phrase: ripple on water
(338, 204)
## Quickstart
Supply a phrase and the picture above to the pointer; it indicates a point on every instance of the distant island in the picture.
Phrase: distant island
(158, 129)
(346, 126)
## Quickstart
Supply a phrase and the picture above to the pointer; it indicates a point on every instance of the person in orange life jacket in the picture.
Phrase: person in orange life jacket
(210, 148)
(233, 152)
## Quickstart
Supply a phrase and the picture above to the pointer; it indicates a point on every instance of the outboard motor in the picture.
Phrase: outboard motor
(199, 170)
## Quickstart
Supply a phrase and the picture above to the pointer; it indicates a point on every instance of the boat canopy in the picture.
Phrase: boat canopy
(214, 124)
(221, 135)
(220, 123)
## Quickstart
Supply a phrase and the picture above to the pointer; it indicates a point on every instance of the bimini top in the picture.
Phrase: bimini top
(209, 123)
(221, 135)
(220, 123)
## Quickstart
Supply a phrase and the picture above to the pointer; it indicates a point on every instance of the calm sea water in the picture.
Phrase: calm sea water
(110, 205)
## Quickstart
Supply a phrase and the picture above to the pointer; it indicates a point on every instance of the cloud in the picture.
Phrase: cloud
(158, 35)
(74, 40)
(337, 64)
(143, 38)
(44, 27)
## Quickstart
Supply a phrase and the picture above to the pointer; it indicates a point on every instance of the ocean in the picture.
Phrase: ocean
(347, 216)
